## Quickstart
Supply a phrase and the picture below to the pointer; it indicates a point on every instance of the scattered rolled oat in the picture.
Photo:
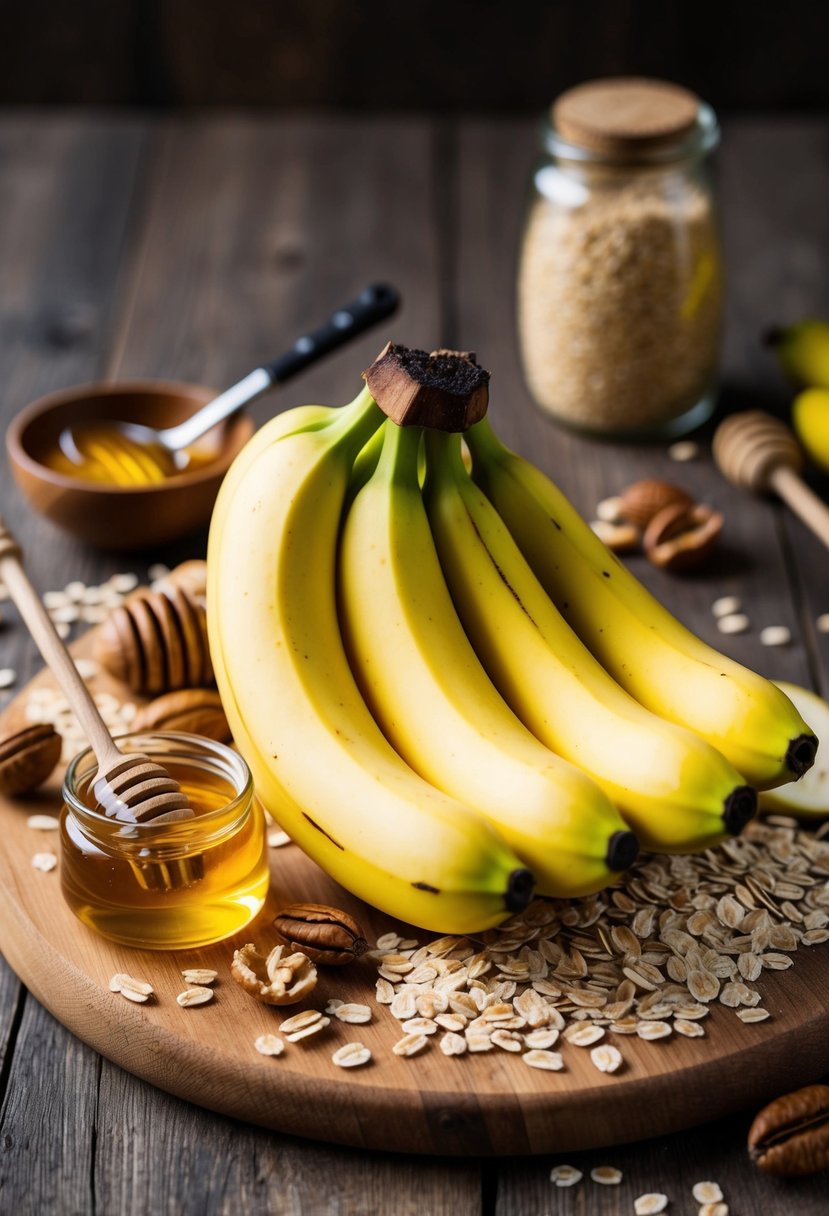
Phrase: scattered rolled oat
(269, 1045)
(452, 1044)
(277, 839)
(8, 676)
(707, 1192)
(753, 1015)
(650, 1204)
(584, 1035)
(551, 1061)
(310, 1021)
(565, 1175)
(200, 976)
(606, 1058)
(691, 1030)
(726, 605)
(45, 862)
(351, 1055)
(420, 1026)
(609, 510)
(198, 995)
(653, 1030)
(411, 1044)
(43, 823)
(507, 1040)
(606, 1175)
(775, 635)
(133, 989)
(351, 1012)
(822, 623)
(683, 451)
(713, 1209)
(124, 582)
(735, 622)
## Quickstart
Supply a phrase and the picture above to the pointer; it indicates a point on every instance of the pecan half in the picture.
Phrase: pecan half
(326, 935)
(27, 757)
(680, 538)
(279, 979)
(790, 1136)
(641, 500)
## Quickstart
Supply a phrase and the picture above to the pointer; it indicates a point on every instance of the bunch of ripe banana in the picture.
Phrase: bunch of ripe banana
(446, 687)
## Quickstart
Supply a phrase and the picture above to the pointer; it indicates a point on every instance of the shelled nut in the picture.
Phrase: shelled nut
(680, 538)
(27, 757)
(157, 642)
(278, 979)
(197, 711)
(790, 1136)
(642, 500)
(326, 935)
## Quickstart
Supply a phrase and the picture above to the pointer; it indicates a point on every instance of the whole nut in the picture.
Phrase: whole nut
(326, 935)
(196, 711)
(642, 500)
(790, 1136)
(27, 757)
(680, 538)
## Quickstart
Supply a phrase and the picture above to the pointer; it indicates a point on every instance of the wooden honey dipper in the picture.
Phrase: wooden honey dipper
(759, 452)
(130, 788)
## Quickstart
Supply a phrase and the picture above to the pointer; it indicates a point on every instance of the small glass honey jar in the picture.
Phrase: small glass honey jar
(170, 886)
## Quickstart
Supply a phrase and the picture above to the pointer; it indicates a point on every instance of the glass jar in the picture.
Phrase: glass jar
(620, 279)
(175, 885)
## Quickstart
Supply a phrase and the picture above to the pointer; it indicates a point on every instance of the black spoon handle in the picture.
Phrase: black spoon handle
(371, 306)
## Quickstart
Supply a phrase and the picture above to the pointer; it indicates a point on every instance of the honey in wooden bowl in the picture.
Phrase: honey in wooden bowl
(112, 514)
(218, 859)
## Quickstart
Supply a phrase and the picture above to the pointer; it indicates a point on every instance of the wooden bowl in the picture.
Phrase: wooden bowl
(121, 517)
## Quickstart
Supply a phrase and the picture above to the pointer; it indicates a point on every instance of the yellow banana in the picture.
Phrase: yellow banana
(319, 761)
(436, 704)
(803, 351)
(676, 791)
(656, 659)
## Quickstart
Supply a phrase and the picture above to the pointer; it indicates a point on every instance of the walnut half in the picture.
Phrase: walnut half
(279, 979)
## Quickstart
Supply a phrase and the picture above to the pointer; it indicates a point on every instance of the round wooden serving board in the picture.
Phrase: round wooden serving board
(429, 1103)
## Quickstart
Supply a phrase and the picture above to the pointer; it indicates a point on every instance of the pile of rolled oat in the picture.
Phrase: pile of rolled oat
(648, 957)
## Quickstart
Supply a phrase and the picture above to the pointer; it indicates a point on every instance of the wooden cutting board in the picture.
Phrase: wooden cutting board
(476, 1105)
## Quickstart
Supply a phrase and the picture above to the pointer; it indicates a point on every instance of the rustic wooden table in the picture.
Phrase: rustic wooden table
(193, 248)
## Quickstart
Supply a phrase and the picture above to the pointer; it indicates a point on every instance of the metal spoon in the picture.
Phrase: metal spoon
(130, 787)
(139, 454)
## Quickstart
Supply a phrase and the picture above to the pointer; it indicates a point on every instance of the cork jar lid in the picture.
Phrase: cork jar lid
(626, 115)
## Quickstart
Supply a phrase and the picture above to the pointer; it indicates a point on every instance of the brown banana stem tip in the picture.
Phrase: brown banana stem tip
(800, 754)
(445, 390)
(622, 851)
(740, 806)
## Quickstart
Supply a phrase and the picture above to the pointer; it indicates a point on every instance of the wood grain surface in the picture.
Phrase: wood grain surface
(101, 272)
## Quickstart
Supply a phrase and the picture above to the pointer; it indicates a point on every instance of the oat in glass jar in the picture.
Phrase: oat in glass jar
(620, 279)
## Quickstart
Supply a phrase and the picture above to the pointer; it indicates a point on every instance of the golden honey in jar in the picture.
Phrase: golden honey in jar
(169, 886)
